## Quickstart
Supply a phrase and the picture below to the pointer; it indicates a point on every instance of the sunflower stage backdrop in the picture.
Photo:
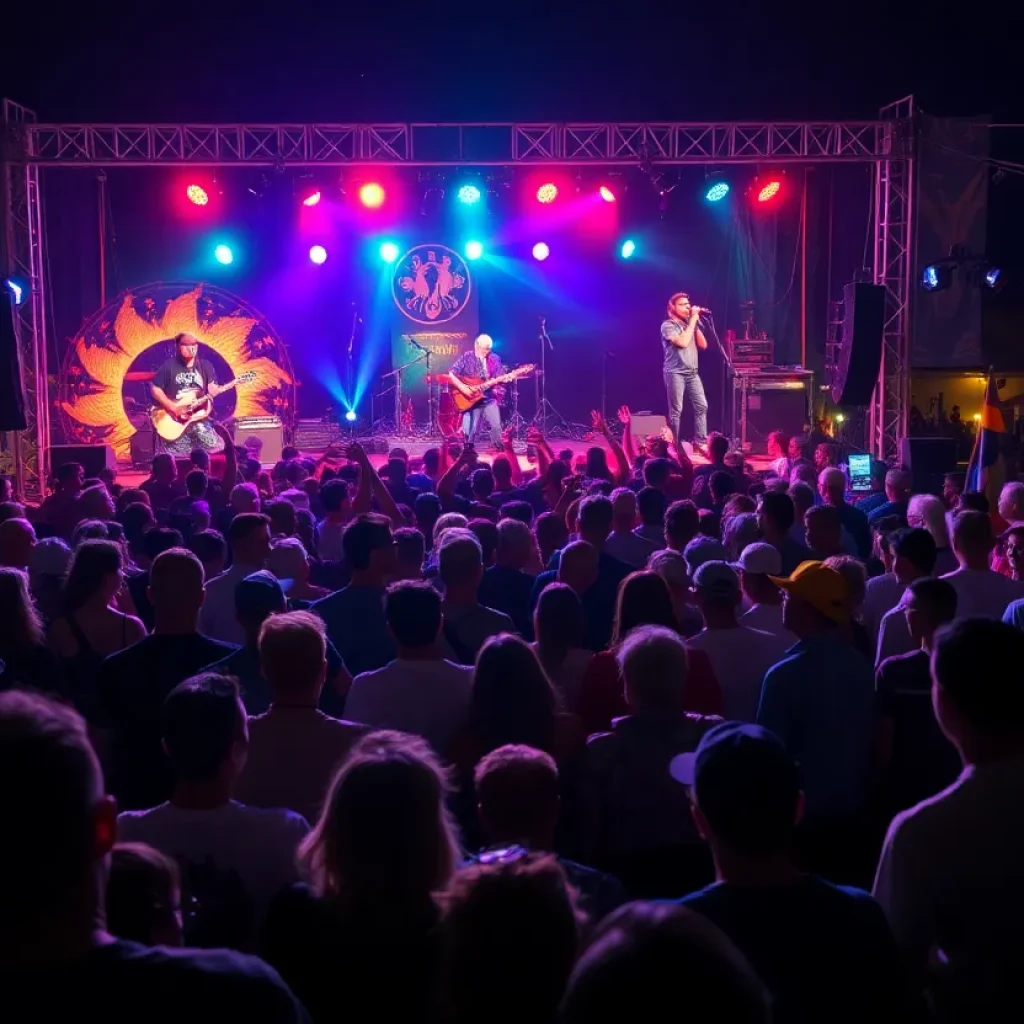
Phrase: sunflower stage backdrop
(104, 382)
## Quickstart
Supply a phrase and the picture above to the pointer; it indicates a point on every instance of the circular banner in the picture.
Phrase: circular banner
(431, 284)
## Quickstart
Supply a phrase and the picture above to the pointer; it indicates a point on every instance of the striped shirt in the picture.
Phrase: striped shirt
(677, 360)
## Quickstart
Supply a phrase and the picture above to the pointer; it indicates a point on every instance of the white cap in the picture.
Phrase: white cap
(760, 559)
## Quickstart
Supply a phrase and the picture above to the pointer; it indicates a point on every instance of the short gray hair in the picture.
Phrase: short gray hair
(832, 479)
(655, 666)
(448, 521)
(515, 535)
(460, 556)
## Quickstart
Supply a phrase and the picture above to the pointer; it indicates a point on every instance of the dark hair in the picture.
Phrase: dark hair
(682, 522)
(972, 661)
(501, 469)
(481, 482)
(196, 482)
(281, 515)
(91, 563)
(199, 724)
(596, 464)
(596, 513)
(779, 509)
(916, 545)
(517, 789)
(827, 514)
(432, 459)
(643, 600)
(558, 625)
(721, 484)
(142, 892)
(413, 613)
(972, 530)
(160, 539)
(427, 508)
(718, 447)
(512, 939)
(410, 544)
(487, 533)
(11, 510)
(362, 537)
(973, 501)
(656, 472)
(650, 503)
(521, 510)
(289, 452)
(513, 700)
(208, 545)
(135, 518)
(243, 526)
(644, 954)
(199, 457)
(333, 495)
(937, 598)
(68, 471)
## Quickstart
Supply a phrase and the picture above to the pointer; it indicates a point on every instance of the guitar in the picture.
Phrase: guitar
(199, 408)
(481, 386)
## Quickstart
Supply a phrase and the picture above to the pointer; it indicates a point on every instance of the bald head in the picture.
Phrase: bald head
(623, 509)
(577, 567)
(17, 539)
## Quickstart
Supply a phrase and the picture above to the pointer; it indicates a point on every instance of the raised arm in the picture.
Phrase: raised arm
(387, 503)
(544, 454)
(230, 474)
(626, 419)
(506, 443)
(622, 465)
(446, 485)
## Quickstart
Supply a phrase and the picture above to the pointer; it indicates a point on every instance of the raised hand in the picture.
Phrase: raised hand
(507, 435)
(624, 415)
(666, 435)
(597, 419)
(355, 453)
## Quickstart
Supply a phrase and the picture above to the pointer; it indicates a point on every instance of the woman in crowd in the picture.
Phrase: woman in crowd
(361, 940)
(558, 626)
(25, 659)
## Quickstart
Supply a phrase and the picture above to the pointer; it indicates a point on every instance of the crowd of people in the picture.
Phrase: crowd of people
(447, 741)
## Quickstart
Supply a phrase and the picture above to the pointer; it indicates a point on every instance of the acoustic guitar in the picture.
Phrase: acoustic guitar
(199, 408)
(481, 386)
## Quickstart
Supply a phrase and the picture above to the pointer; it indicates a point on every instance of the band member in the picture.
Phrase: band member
(480, 364)
(681, 337)
(177, 384)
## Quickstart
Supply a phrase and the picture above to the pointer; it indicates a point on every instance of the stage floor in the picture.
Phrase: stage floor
(130, 477)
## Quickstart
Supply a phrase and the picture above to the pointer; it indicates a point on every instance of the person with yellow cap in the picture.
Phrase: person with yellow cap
(819, 701)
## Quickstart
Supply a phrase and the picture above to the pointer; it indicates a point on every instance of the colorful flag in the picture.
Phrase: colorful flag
(986, 472)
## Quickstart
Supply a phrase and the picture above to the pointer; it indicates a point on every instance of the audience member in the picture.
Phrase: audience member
(144, 896)
(211, 549)
(505, 586)
(776, 516)
(249, 539)
(832, 488)
(410, 554)
(927, 512)
(682, 521)
(762, 597)
(914, 557)
(47, 567)
(25, 660)
(898, 488)
(558, 626)
(981, 592)
(60, 509)
(289, 561)
(17, 539)
(651, 505)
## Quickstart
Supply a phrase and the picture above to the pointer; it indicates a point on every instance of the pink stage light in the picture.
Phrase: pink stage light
(607, 194)
(197, 195)
(541, 251)
(769, 191)
(318, 254)
(547, 193)
(312, 199)
(372, 195)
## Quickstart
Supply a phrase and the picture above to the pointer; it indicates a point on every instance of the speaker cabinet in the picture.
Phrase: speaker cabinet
(929, 459)
(860, 354)
(271, 434)
(767, 401)
(643, 426)
(91, 457)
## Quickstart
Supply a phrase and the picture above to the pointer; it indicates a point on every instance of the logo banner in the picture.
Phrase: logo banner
(436, 312)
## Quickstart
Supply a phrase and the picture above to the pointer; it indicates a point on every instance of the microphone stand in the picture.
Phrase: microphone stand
(425, 355)
(605, 356)
(728, 376)
(545, 410)
(349, 375)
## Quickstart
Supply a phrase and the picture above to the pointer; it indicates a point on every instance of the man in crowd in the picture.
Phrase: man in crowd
(756, 564)
(832, 488)
(506, 587)
(57, 960)
(981, 592)
(775, 518)
(898, 488)
(623, 543)
(914, 554)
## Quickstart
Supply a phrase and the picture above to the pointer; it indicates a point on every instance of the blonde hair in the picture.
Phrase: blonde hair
(385, 831)
(22, 625)
(928, 512)
(293, 648)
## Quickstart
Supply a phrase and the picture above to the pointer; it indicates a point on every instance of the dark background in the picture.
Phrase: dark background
(410, 62)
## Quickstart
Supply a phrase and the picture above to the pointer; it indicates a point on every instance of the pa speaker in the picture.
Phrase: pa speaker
(929, 459)
(860, 354)
(646, 425)
(91, 457)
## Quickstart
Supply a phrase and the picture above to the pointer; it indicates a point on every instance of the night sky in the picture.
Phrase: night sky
(402, 61)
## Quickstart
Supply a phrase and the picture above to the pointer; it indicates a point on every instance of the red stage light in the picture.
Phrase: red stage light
(547, 193)
(312, 199)
(607, 194)
(372, 195)
(769, 190)
(197, 195)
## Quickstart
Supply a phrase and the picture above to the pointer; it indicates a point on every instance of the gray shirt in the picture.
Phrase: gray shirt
(678, 360)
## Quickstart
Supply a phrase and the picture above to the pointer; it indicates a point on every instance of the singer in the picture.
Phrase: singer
(681, 338)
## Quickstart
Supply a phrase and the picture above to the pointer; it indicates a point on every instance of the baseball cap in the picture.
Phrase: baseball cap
(261, 593)
(717, 578)
(745, 783)
(703, 549)
(820, 586)
(760, 559)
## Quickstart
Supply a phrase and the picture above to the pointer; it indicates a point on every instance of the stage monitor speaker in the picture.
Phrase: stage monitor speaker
(643, 426)
(91, 457)
(142, 447)
(270, 433)
(860, 353)
(929, 459)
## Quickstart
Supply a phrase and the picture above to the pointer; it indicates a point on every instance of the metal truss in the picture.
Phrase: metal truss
(439, 145)
(893, 268)
(24, 259)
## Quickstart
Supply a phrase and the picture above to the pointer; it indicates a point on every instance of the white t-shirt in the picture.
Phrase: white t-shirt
(894, 633)
(983, 593)
(629, 548)
(217, 617)
(768, 619)
(293, 755)
(425, 698)
(882, 594)
(949, 878)
(254, 845)
(740, 658)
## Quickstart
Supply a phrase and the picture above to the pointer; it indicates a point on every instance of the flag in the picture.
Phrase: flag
(986, 472)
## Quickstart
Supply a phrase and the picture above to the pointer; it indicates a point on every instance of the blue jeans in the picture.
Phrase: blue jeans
(485, 416)
(682, 387)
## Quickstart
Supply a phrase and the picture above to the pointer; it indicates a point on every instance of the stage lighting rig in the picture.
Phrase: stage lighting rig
(977, 271)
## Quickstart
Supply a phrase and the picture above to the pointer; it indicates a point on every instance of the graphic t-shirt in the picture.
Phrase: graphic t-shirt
(174, 379)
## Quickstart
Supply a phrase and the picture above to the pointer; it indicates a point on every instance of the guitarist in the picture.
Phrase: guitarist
(479, 364)
(177, 384)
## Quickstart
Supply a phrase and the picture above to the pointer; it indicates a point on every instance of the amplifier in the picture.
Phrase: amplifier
(269, 430)
(91, 457)
(771, 399)
(752, 354)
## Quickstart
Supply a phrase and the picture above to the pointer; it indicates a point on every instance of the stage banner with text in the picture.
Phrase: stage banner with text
(436, 313)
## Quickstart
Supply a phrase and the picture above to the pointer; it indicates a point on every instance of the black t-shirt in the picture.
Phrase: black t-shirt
(130, 691)
(923, 761)
(173, 378)
(125, 983)
(824, 951)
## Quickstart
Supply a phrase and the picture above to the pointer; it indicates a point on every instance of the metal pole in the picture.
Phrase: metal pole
(803, 273)
(101, 181)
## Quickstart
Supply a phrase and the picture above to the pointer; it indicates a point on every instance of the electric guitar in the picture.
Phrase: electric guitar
(170, 428)
(481, 386)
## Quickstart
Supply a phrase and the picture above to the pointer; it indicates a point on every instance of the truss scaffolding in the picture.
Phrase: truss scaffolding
(29, 147)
